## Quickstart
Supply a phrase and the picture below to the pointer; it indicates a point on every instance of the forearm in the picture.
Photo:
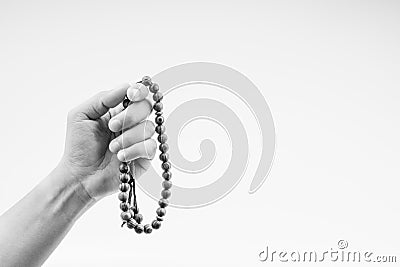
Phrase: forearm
(32, 228)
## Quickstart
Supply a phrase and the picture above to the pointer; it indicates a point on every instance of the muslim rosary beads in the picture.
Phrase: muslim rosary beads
(130, 212)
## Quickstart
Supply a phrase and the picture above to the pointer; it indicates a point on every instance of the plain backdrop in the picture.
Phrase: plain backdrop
(329, 70)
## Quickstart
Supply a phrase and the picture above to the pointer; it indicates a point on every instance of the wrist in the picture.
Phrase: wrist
(66, 194)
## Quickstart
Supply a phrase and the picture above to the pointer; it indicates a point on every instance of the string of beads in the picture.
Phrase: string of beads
(130, 212)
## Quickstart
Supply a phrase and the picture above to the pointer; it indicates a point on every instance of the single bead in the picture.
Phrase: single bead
(146, 80)
(158, 96)
(148, 229)
(138, 218)
(159, 120)
(166, 184)
(124, 177)
(124, 206)
(158, 113)
(154, 88)
(125, 215)
(163, 147)
(167, 175)
(166, 166)
(124, 187)
(163, 203)
(161, 212)
(123, 196)
(164, 157)
(139, 229)
(123, 167)
(160, 129)
(160, 219)
(131, 224)
(165, 193)
(158, 106)
(156, 224)
(126, 102)
(162, 138)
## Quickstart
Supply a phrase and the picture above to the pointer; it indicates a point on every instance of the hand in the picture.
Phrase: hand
(93, 149)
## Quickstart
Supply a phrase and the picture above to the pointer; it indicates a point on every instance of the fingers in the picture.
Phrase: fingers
(136, 134)
(146, 149)
(137, 92)
(99, 104)
(134, 143)
(131, 116)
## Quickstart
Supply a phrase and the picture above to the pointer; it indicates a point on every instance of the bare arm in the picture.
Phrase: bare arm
(88, 171)
(32, 228)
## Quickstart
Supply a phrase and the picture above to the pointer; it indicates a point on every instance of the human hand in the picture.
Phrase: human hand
(93, 148)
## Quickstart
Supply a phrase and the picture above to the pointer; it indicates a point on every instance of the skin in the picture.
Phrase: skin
(87, 172)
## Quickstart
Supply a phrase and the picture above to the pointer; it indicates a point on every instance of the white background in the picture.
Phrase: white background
(329, 71)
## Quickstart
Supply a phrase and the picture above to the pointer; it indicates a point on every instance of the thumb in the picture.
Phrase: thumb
(99, 104)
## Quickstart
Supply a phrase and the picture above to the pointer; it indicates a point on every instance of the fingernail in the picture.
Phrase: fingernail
(133, 92)
(114, 146)
(115, 125)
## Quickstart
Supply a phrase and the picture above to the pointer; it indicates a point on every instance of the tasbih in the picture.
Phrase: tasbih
(130, 212)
